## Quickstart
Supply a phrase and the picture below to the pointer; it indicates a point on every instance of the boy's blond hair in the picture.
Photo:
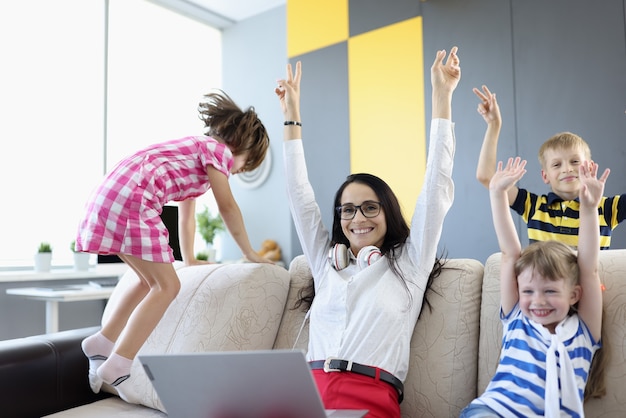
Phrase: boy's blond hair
(564, 140)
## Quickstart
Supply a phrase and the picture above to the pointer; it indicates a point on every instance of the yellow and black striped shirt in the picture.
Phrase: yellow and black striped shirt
(549, 217)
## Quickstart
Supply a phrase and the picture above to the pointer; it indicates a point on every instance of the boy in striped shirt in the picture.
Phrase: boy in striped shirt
(552, 216)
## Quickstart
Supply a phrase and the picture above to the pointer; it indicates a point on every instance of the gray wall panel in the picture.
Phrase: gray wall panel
(367, 15)
(482, 32)
(572, 78)
(326, 122)
(554, 66)
(254, 57)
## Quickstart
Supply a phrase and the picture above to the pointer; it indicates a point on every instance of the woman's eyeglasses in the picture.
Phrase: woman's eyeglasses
(369, 209)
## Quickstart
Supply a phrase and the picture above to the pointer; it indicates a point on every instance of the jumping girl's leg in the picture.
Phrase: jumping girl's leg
(128, 302)
(98, 347)
(163, 286)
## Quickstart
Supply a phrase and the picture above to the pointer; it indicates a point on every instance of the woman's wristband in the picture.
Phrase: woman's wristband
(292, 122)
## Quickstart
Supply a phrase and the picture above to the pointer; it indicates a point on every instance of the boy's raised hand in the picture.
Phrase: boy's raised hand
(488, 107)
(506, 177)
(591, 187)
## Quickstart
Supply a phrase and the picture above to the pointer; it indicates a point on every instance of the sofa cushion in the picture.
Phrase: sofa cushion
(220, 307)
(107, 408)
(444, 346)
(613, 276)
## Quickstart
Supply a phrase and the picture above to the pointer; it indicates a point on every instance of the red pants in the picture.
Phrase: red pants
(347, 390)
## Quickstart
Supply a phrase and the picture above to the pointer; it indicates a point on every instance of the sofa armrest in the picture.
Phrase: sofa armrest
(44, 374)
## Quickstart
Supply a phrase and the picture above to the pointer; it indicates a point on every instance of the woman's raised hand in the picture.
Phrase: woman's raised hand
(446, 76)
(288, 92)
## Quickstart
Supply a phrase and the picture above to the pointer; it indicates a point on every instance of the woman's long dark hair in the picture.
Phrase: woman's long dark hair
(397, 228)
(397, 233)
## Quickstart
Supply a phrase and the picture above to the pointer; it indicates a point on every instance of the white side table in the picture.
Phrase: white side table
(52, 295)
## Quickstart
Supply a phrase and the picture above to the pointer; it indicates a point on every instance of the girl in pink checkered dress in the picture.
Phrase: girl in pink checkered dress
(123, 218)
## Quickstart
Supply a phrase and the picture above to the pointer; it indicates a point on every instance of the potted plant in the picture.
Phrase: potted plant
(43, 257)
(208, 226)
(202, 255)
(81, 259)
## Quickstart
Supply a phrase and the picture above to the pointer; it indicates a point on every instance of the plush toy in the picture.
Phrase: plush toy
(270, 250)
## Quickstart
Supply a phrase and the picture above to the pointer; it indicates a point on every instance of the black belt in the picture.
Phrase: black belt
(337, 365)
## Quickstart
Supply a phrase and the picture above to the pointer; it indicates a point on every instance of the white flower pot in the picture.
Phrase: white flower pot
(212, 253)
(43, 262)
(81, 261)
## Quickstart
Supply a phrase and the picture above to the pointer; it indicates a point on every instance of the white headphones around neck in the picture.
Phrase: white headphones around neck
(340, 256)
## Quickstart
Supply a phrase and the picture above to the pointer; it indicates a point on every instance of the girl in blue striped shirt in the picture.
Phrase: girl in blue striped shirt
(551, 309)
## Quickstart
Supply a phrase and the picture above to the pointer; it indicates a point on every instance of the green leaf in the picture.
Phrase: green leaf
(209, 225)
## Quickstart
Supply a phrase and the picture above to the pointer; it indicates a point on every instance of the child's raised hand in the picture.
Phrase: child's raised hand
(488, 107)
(591, 187)
(506, 177)
(288, 91)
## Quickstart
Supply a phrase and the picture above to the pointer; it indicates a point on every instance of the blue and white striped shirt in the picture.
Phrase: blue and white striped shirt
(519, 385)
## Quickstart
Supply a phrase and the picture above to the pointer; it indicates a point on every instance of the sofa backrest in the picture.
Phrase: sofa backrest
(613, 276)
(444, 347)
(293, 318)
(220, 307)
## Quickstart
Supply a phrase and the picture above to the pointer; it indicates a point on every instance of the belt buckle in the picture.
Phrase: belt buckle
(327, 368)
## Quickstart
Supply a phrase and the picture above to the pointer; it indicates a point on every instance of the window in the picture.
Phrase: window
(55, 105)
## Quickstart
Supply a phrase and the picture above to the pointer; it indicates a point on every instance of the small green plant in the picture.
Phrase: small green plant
(202, 255)
(44, 247)
(209, 225)
(73, 246)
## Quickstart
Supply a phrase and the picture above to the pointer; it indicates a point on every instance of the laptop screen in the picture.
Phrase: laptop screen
(237, 384)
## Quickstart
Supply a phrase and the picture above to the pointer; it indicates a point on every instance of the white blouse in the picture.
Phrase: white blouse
(367, 316)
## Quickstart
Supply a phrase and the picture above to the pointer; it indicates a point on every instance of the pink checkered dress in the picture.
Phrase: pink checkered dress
(122, 214)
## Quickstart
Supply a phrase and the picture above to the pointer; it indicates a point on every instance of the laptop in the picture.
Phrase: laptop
(238, 384)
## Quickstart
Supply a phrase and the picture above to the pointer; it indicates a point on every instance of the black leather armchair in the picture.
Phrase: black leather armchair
(44, 374)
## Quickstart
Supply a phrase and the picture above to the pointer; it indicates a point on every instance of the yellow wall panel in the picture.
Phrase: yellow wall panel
(314, 24)
(387, 123)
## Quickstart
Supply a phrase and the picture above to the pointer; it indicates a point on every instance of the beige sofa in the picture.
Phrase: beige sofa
(455, 346)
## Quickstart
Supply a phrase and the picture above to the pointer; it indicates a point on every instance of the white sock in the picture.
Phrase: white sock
(97, 348)
(115, 370)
